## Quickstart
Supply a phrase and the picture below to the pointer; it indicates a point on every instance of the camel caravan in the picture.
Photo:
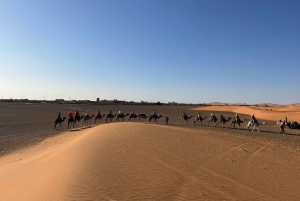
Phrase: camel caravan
(76, 120)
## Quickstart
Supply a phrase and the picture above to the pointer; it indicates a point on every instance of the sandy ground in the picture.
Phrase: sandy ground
(129, 161)
(142, 161)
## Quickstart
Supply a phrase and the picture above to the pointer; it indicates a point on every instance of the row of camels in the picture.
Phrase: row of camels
(87, 120)
(223, 121)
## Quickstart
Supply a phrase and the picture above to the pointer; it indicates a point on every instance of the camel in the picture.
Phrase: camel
(199, 119)
(78, 118)
(71, 120)
(255, 124)
(121, 116)
(155, 118)
(185, 118)
(133, 116)
(100, 117)
(110, 116)
(223, 121)
(87, 118)
(59, 121)
(215, 119)
(142, 116)
(238, 123)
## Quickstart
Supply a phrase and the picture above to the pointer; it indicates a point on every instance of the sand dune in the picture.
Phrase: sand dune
(131, 161)
(273, 113)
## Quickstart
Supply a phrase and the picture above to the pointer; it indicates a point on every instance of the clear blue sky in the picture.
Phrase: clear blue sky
(184, 51)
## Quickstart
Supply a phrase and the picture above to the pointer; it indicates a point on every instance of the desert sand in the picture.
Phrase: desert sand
(142, 161)
(136, 161)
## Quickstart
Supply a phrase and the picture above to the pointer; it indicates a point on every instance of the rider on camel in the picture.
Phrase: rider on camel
(153, 113)
(120, 112)
(199, 116)
(58, 116)
(221, 117)
(77, 114)
(184, 115)
(98, 113)
(70, 115)
(237, 118)
(213, 117)
(87, 114)
(253, 119)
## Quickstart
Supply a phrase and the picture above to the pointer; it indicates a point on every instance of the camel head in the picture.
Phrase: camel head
(64, 118)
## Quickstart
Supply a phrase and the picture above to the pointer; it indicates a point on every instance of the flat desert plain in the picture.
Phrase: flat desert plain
(142, 161)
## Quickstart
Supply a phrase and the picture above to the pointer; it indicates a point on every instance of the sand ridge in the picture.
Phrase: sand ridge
(130, 161)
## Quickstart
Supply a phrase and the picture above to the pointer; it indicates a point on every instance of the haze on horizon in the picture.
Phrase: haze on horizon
(182, 51)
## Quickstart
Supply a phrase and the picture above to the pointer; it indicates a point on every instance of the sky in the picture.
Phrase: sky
(189, 51)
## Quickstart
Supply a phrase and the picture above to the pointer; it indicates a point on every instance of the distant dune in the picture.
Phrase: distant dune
(270, 113)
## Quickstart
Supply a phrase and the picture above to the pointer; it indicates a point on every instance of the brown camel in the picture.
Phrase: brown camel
(233, 122)
(185, 119)
(110, 116)
(211, 119)
(78, 118)
(133, 116)
(199, 119)
(155, 118)
(121, 116)
(71, 122)
(223, 121)
(86, 119)
(59, 121)
(100, 117)
(143, 116)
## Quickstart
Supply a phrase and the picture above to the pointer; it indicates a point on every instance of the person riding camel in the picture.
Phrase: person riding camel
(153, 113)
(199, 116)
(110, 113)
(58, 116)
(70, 115)
(77, 115)
(213, 117)
(184, 116)
(253, 119)
(98, 113)
(120, 112)
(237, 118)
(87, 114)
(222, 117)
